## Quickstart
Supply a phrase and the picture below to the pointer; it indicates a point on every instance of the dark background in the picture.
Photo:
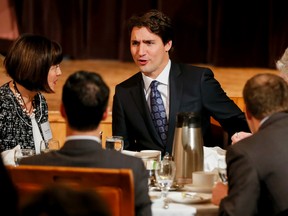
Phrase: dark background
(234, 33)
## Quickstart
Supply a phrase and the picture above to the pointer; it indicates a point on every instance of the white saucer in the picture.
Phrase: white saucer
(189, 198)
(196, 188)
(149, 155)
(127, 152)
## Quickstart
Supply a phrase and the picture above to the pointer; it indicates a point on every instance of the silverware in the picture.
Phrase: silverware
(191, 195)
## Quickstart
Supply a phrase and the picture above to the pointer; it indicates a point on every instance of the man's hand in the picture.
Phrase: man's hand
(219, 191)
(239, 135)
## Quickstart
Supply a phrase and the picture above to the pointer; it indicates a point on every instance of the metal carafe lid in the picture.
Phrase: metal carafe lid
(190, 119)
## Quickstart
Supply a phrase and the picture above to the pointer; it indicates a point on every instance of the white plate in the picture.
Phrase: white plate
(127, 152)
(189, 198)
(194, 188)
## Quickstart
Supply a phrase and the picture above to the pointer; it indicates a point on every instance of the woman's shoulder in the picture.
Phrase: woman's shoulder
(5, 93)
(5, 88)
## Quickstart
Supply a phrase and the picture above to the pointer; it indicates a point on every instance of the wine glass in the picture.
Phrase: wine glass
(165, 173)
(222, 170)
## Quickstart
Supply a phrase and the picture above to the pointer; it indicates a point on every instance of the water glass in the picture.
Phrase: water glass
(114, 143)
(21, 153)
(50, 145)
(165, 173)
(222, 171)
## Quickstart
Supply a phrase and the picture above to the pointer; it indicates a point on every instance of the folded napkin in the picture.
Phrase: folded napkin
(212, 156)
(8, 156)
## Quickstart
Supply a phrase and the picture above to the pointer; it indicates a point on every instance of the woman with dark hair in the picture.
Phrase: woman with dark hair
(32, 62)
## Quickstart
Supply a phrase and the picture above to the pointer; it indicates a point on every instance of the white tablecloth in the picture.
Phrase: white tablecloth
(179, 209)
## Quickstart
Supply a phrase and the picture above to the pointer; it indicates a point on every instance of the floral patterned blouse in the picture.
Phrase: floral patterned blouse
(15, 125)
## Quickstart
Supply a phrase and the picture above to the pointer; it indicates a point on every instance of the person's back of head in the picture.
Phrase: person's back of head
(265, 94)
(85, 98)
(62, 200)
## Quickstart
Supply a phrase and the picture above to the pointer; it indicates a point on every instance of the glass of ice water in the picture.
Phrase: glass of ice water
(21, 153)
(114, 143)
(222, 171)
(165, 173)
(50, 145)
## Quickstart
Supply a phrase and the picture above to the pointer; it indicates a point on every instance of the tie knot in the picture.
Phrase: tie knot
(154, 84)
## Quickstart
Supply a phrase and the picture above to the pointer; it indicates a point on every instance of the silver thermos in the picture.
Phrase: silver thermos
(188, 146)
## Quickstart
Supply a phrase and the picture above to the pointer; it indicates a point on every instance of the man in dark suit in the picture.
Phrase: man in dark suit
(183, 88)
(84, 104)
(257, 165)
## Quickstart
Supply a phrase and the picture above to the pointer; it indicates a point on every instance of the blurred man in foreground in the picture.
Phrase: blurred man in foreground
(257, 166)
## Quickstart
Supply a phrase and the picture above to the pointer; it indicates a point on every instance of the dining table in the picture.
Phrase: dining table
(185, 199)
(175, 204)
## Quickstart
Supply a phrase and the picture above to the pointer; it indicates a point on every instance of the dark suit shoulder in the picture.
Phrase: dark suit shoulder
(131, 81)
(191, 67)
(188, 70)
(275, 126)
(115, 159)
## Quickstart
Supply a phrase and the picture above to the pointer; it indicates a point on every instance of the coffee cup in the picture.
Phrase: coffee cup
(203, 178)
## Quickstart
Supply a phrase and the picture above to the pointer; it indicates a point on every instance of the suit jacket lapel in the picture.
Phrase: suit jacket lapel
(176, 88)
(138, 96)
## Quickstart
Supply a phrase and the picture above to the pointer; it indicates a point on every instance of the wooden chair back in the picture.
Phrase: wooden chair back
(116, 186)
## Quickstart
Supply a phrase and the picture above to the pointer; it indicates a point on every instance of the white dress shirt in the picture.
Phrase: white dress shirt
(163, 87)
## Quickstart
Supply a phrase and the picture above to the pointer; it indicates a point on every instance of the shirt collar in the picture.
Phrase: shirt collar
(263, 120)
(163, 77)
(83, 137)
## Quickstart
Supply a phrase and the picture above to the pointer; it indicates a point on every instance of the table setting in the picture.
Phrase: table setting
(185, 199)
(193, 197)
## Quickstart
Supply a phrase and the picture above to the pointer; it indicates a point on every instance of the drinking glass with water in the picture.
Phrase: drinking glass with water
(222, 171)
(21, 153)
(114, 143)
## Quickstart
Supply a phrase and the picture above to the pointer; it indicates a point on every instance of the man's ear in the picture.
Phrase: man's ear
(168, 46)
(62, 111)
(247, 114)
(105, 114)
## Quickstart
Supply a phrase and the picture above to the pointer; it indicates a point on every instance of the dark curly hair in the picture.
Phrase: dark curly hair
(156, 21)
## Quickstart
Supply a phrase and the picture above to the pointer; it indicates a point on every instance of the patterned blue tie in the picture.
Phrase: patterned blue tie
(158, 112)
